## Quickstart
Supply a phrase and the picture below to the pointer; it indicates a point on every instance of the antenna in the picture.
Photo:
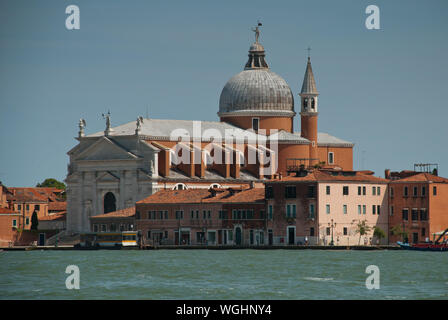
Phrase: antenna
(309, 51)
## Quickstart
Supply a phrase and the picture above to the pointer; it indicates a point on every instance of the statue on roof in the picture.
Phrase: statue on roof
(257, 31)
(82, 125)
(139, 124)
(108, 126)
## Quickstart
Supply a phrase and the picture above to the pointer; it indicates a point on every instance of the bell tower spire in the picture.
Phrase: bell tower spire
(308, 112)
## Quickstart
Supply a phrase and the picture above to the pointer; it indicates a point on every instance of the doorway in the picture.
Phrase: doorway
(415, 237)
(110, 203)
(270, 237)
(291, 235)
(41, 239)
(238, 236)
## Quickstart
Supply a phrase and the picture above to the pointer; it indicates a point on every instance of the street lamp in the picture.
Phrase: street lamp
(332, 225)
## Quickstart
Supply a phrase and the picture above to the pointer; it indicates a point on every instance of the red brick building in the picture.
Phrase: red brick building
(418, 206)
(9, 223)
(200, 216)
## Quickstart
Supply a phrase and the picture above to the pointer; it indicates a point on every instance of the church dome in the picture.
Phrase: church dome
(256, 90)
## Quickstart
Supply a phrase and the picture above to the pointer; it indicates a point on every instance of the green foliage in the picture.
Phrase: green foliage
(379, 233)
(398, 231)
(362, 228)
(34, 221)
(51, 183)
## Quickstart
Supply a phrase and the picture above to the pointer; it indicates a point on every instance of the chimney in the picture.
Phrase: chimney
(387, 173)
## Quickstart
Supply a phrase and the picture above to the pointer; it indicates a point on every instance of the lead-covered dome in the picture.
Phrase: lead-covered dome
(256, 90)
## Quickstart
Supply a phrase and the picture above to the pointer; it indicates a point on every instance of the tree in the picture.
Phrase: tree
(362, 228)
(379, 233)
(398, 231)
(34, 221)
(51, 183)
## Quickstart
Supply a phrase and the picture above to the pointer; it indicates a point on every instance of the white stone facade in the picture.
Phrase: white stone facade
(124, 166)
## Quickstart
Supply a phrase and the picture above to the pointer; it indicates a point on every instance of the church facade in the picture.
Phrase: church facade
(254, 141)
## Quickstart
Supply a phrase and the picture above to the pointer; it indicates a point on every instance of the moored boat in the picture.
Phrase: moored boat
(440, 244)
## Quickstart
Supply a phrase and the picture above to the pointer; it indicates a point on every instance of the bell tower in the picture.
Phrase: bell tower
(309, 112)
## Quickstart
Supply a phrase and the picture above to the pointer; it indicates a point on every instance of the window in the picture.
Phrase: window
(378, 209)
(290, 210)
(95, 228)
(405, 191)
(359, 209)
(19, 207)
(137, 215)
(37, 207)
(423, 232)
(405, 214)
(103, 228)
(391, 192)
(27, 220)
(148, 234)
(113, 227)
(434, 191)
(328, 231)
(179, 214)
(269, 192)
(14, 223)
(262, 214)
(311, 232)
(373, 191)
(364, 209)
(311, 211)
(345, 190)
(311, 191)
(27, 207)
(359, 190)
(209, 214)
(290, 192)
(378, 191)
(328, 209)
(345, 231)
(363, 191)
(255, 123)
(312, 103)
(344, 209)
(423, 215)
(414, 214)
(391, 213)
(223, 214)
(305, 104)
(192, 214)
(423, 191)
(330, 157)
(415, 193)
(328, 190)
(270, 212)
(373, 209)
(234, 214)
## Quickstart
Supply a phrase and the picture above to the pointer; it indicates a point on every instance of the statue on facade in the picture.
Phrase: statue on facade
(139, 124)
(108, 126)
(82, 125)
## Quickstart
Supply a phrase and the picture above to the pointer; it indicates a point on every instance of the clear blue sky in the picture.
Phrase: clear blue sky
(385, 90)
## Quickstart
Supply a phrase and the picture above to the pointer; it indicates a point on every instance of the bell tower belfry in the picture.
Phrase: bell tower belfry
(309, 111)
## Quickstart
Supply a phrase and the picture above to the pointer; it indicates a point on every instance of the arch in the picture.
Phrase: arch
(180, 186)
(110, 202)
(215, 185)
(313, 102)
(305, 104)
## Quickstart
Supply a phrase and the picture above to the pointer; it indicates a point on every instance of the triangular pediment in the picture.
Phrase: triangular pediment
(108, 177)
(105, 149)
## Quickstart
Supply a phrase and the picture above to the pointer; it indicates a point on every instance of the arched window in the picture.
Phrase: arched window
(180, 186)
(110, 203)
(305, 104)
(312, 103)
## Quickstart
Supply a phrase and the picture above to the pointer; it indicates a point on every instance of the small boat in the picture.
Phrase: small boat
(427, 246)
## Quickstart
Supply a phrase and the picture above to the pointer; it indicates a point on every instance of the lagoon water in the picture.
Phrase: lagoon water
(223, 274)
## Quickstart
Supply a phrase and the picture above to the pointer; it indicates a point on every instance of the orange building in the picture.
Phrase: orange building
(418, 207)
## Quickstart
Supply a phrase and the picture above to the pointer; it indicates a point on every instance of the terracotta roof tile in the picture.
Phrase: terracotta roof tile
(57, 206)
(123, 213)
(422, 177)
(53, 217)
(334, 176)
(205, 196)
(7, 210)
